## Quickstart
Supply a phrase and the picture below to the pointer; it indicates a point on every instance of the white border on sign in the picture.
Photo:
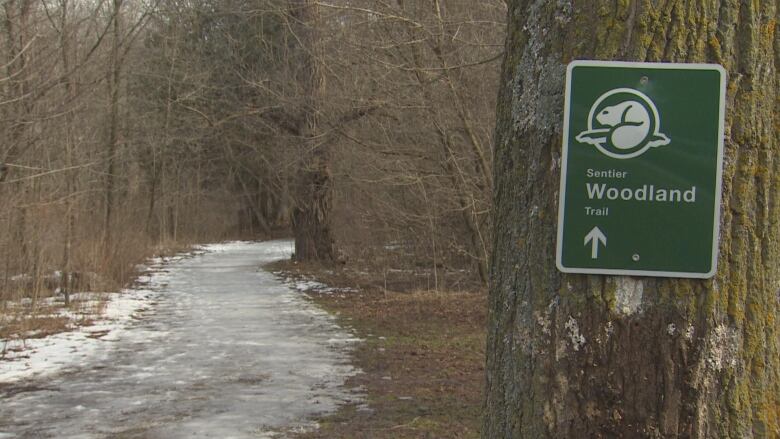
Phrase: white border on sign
(718, 176)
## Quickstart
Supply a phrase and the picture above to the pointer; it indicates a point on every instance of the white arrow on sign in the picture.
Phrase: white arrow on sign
(594, 237)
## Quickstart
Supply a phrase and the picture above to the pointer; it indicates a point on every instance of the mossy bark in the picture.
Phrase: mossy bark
(576, 356)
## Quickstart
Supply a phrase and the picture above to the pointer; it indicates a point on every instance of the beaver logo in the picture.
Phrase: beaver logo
(623, 123)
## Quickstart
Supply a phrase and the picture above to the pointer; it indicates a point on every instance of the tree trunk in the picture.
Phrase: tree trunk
(311, 215)
(449, 159)
(314, 191)
(112, 141)
(66, 280)
(575, 356)
(251, 205)
(18, 115)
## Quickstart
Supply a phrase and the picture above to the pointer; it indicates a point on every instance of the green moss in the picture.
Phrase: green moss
(609, 297)
(717, 50)
(769, 32)
(741, 397)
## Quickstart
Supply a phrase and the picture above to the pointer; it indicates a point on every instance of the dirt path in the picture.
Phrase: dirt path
(227, 351)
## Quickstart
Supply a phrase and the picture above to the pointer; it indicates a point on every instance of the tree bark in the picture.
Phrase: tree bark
(18, 114)
(314, 191)
(575, 356)
(69, 82)
(113, 78)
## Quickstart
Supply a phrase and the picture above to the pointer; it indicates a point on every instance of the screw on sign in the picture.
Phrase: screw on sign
(641, 169)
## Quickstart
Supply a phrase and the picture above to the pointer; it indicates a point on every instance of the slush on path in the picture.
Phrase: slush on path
(227, 350)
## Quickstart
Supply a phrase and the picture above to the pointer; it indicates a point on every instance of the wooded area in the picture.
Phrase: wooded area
(372, 132)
(133, 126)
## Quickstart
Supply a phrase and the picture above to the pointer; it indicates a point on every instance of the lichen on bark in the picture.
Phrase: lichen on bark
(595, 356)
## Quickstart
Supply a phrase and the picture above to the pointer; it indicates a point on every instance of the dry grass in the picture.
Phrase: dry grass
(29, 320)
(31, 307)
(423, 360)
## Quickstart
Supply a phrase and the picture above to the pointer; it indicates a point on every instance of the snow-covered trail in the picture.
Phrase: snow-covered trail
(227, 351)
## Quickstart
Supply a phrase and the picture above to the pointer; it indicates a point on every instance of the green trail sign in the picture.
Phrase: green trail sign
(641, 169)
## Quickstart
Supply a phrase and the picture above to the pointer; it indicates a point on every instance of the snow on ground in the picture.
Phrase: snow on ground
(30, 357)
(305, 285)
(210, 346)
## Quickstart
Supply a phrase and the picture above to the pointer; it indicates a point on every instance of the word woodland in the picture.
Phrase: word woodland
(600, 191)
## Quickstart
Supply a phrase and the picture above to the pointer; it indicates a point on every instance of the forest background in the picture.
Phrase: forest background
(133, 127)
